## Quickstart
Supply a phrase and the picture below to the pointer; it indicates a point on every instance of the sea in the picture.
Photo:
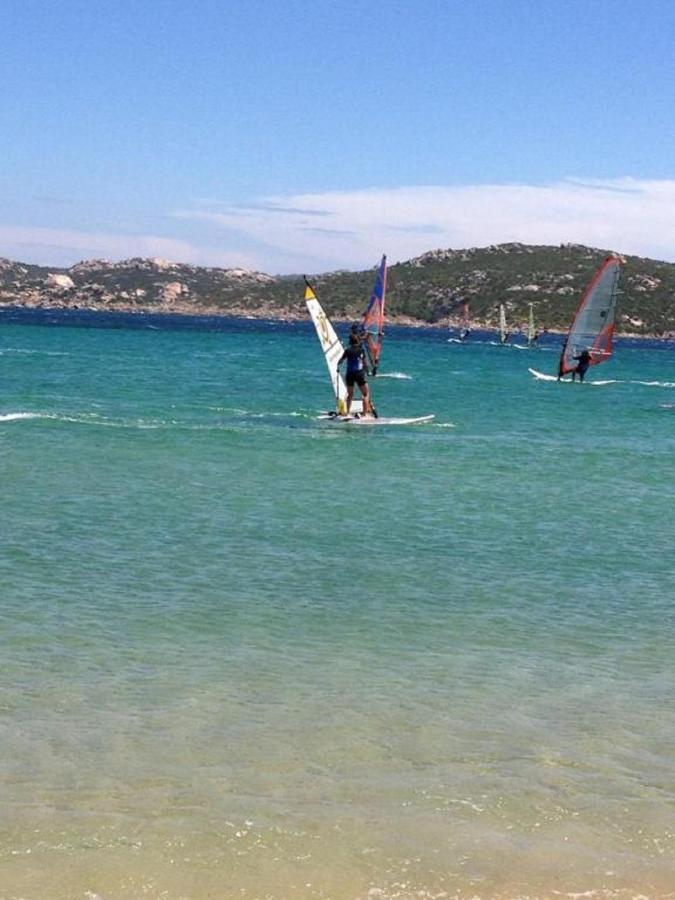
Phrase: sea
(246, 652)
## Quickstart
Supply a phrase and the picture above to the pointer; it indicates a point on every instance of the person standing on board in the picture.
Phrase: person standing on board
(356, 373)
(584, 359)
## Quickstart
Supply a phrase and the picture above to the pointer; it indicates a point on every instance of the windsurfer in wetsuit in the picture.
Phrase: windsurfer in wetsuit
(584, 361)
(356, 373)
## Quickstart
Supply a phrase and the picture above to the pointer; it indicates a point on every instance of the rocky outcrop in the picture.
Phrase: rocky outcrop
(59, 282)
(423, 290)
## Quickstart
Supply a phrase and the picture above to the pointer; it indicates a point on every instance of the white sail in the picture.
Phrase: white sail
(332, 351)
(503, 333)
(530, 327)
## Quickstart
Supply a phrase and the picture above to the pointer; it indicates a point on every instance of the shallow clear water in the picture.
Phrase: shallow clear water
(247, 653)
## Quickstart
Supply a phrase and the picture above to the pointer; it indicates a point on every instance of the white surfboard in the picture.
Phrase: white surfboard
(381, 420)
(542, 376)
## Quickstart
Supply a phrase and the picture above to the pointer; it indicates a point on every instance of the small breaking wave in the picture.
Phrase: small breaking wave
(29, 352)
(94, 419)
(662, 384)
(13, 417)
(400, 375)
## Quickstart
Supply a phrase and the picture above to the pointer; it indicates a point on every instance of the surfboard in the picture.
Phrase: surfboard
(542, 376)
(381, 420)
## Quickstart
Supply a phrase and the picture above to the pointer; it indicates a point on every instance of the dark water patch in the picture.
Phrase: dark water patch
(160, 321)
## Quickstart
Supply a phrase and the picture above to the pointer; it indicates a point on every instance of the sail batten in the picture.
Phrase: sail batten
(593, 326)
(373, 317)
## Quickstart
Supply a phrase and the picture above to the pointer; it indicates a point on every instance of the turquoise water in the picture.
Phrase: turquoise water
(247, 653)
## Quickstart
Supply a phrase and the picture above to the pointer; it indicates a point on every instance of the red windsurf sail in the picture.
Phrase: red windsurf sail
(593, 325)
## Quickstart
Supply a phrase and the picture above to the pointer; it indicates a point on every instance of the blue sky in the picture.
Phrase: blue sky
(315, 135)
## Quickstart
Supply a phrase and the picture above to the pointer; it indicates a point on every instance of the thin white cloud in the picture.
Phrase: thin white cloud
(626, 214)
(64, 247)
(317, 232)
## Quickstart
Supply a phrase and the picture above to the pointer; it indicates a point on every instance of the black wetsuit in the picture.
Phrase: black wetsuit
(356, 368)
(584, 362)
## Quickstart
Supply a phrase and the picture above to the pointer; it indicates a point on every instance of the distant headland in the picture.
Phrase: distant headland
(421, 291)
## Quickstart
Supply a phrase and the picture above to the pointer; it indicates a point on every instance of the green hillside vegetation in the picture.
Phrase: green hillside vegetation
(424, 289)
(553, 279)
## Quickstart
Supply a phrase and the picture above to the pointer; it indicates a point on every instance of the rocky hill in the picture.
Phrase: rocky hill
(424, 290)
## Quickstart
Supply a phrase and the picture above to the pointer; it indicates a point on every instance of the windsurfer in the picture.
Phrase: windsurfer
(356, 373)
(584, 361)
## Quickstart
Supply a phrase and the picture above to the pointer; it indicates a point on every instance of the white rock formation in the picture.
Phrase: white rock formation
(61, 282)
(173, 291)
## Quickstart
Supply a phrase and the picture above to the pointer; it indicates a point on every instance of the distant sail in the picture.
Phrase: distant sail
(332, 351)
(373, 317)
(465, 320)
(593, 325)
(530, 327)
(503, 333)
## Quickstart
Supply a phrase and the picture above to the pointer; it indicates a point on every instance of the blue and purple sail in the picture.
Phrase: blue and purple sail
(373, 318)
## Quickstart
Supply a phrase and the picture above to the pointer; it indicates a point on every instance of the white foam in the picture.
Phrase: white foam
(401, 375)
(12, 417)
(88, 419)
(29, 352)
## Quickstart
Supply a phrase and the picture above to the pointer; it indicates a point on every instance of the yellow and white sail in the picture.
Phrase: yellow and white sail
(332, 351)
